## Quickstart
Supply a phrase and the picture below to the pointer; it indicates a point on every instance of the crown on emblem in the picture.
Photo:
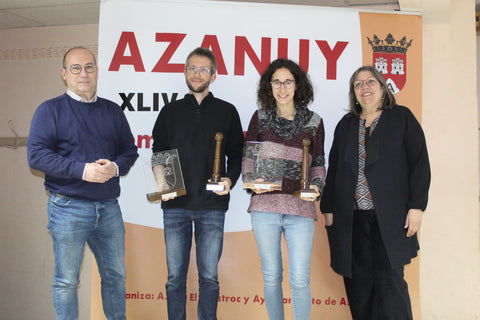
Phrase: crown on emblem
(389, 44)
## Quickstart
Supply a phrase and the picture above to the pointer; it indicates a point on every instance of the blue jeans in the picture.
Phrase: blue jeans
(209, 244)
(72, 222)
(298, 231)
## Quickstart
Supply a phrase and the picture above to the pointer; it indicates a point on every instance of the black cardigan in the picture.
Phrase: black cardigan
(398, 173)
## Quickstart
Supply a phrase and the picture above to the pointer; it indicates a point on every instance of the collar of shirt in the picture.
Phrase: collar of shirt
(75, 96)
(372, 126)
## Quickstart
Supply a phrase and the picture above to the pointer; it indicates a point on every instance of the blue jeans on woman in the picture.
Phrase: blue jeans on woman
(178, 224)
(72, 222)
(298, 231)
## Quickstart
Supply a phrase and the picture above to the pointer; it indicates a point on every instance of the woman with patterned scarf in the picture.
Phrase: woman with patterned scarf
(281, 124)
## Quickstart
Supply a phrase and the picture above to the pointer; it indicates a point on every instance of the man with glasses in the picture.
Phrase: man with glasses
(190, 125)
(83, 143)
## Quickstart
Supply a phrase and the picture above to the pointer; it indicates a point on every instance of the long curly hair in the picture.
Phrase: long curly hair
(303, 87)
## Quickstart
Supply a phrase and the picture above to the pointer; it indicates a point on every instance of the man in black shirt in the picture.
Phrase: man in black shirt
(189, 125)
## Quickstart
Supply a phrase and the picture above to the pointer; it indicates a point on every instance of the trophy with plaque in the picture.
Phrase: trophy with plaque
(262, 166)
(213, 184)
(305, 191)
(163, 176)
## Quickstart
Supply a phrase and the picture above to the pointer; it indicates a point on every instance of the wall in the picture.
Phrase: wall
(30, 62)
(449, 262)
(450, 255)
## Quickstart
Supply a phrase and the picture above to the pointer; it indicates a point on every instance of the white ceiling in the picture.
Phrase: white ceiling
(40, 13)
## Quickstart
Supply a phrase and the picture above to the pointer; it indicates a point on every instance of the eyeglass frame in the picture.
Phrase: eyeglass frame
(203, 71)
(358, 84)
(275, 83)
(82, 68)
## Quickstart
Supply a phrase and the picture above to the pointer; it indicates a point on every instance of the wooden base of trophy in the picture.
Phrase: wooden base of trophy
(157, 196)
(262, 186)
(213, 184)
(305, 193)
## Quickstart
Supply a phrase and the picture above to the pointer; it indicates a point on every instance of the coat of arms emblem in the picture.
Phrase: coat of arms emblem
(390, 59)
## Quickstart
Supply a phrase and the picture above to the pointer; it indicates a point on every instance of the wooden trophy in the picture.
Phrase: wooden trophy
(305, 191)
(213, 184)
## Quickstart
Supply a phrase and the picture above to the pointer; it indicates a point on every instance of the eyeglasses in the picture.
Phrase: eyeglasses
(76, 68)
(288, 84)
(202, 70)
(370, 82)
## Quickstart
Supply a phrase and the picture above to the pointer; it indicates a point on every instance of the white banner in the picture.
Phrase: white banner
(142, 51)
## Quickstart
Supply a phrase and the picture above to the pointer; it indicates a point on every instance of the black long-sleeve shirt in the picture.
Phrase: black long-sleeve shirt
(189, 127)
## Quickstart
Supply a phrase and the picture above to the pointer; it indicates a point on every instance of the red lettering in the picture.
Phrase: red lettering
(304, 54)
(127, 38)
(163, 64)
(242, 47)
(331, 56)
(211, 42)
(140, 139)
(282, 48)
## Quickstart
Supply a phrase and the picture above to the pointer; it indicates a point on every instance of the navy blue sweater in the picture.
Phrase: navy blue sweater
(66, 134)
(189, 127)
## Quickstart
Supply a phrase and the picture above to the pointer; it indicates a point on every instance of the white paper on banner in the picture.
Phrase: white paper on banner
(245, 37)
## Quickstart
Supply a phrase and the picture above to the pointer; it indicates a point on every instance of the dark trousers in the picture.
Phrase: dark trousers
(376, 291)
